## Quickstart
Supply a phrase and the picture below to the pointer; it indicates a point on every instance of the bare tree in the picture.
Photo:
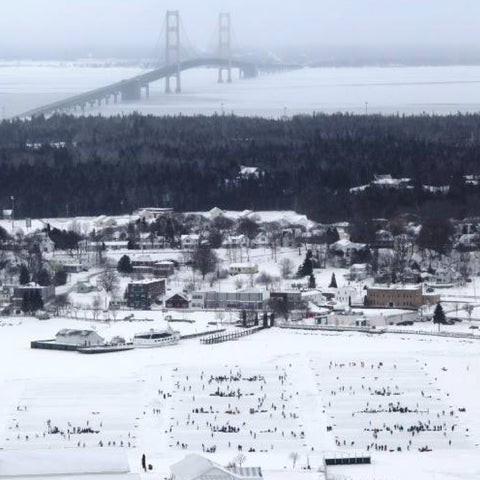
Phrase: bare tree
(219, 316)
(114, 309)
(108, 280)
(61, 303)
(468, 307)
(294, 456)
(240, 459)
(264, 279)
(403, 251)
(96, 305)
(274, 235)
(286, 267)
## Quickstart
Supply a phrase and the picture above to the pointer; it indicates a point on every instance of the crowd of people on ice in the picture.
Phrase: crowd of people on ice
(358, 390)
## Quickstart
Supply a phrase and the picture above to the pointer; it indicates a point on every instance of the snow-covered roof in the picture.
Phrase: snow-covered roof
(143, 258)
(344, 244)
(68, 332)
(147, 281)
(194, 467)
(393, 287)
(249, 171)
(436, 189)
(358, 266)
(191, 467)
(178, 294)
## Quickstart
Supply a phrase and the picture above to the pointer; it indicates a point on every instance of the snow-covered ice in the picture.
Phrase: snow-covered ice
(139, 396)
(391, 89)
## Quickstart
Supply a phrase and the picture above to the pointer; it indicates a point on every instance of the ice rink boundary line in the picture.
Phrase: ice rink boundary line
(467, 336)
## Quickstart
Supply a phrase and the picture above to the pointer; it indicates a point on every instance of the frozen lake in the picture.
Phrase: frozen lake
(386, 90)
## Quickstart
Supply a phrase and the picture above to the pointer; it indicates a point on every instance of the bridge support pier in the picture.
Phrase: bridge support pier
(147, 91)
(172, 49)
(131, 91)
(115, 98)
(225, 46)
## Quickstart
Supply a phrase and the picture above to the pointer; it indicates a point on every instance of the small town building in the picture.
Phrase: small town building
(190, 241)
(178, 300)
(261, 240)
(143, 293)
(143, 261)
(344, 251)
(242, 268)
(116, 245)
(293, 298)
(349, 295)
(46, 293)
(215, 212)
(80, 338)
(84, 287)
(246, 299)
(446, 277)
(358, 271)
(73, 267)
(140, 270)
(399, 296)
(235, 241)
(351, 319)
(163, 269)
(383, 239)
(152, 213)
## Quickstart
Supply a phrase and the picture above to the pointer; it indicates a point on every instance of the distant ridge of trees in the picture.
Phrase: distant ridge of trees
(308, 163)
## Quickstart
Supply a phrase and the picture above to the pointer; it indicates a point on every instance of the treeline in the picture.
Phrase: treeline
(94, 165)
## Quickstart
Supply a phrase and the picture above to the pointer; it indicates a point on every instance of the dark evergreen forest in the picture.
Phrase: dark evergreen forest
(114, 165)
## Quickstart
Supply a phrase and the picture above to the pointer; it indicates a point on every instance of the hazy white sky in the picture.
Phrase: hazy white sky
(25, 23)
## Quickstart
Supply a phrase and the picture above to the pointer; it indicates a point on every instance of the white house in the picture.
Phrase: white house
(358, 271)
(45, 244)
(349, 295)
(81, 338)
(249, 172)
(345, 250)
(190, 241)
(235, 241)
(261, 240)
(196, 467)
(446, 276)
(215, 212)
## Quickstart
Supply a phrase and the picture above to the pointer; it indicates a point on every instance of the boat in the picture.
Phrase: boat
(156, 338)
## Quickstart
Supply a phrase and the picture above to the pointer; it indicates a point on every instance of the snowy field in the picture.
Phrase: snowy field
(270, 394)
(409, 90)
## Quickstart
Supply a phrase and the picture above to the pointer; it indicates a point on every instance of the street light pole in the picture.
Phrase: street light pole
(13, 212)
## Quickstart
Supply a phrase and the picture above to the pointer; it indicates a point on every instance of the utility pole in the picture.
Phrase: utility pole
(12, 198)
(172, 52)
(225, 46)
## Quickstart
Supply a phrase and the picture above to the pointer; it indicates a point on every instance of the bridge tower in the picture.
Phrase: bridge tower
(225, 45)
(172, 52)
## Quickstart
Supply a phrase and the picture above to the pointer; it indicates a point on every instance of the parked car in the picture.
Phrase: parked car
(41, 315)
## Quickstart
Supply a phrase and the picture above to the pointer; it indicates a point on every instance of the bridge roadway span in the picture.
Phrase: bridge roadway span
(131, 89)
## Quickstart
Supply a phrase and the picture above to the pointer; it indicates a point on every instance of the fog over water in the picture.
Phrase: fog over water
(375, 55)
(386, 90)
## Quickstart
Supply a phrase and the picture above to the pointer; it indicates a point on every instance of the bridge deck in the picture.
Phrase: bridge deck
(145, 79)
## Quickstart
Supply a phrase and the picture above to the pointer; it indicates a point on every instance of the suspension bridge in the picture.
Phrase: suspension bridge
(138, 87)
